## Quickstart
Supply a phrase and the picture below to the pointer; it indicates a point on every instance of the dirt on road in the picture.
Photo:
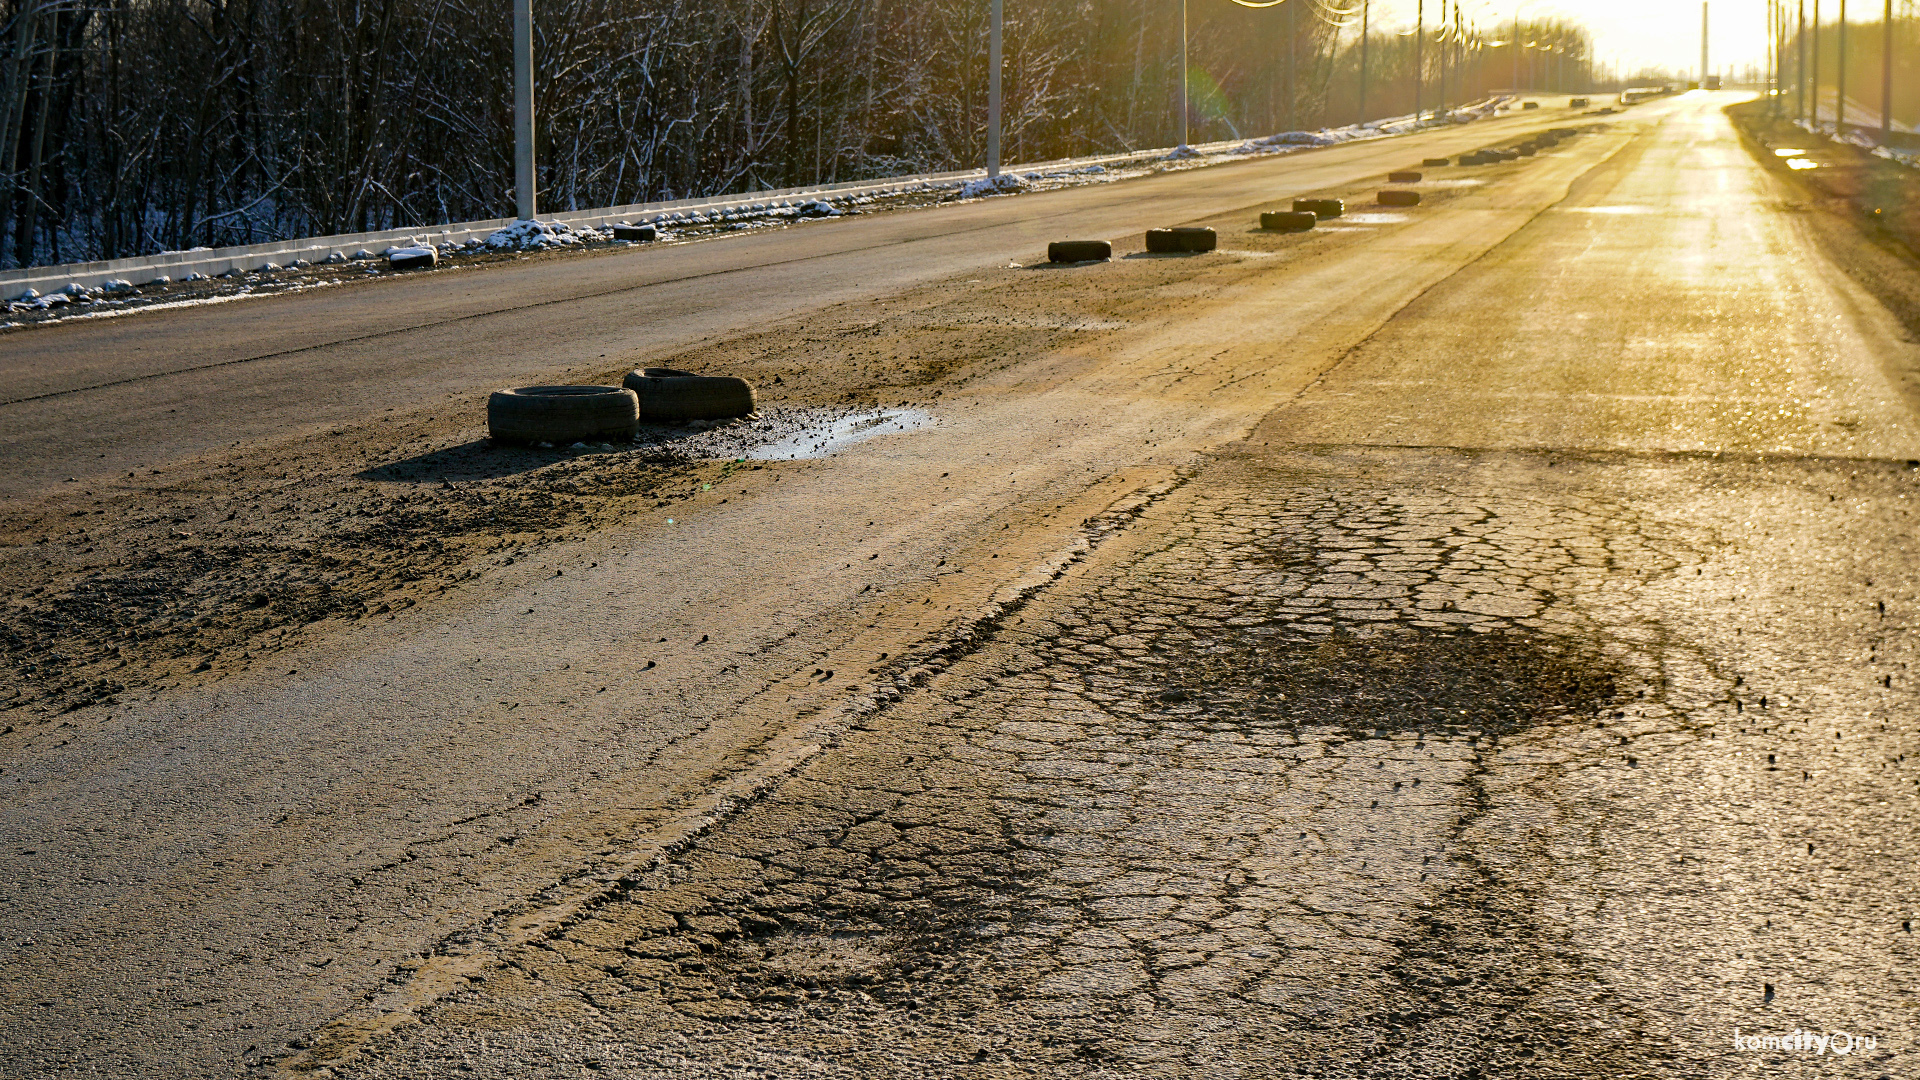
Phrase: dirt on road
(210, 566)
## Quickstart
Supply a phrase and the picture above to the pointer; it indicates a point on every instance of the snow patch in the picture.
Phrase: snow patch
(1004, 184)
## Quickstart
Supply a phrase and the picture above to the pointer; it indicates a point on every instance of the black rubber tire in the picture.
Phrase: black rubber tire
(1288, 220)
(1398, 197)
(561, 414)
(666, 395)
(422, 260)
(1181, 239)
(1077, 251)
(639, 233)
(1528, 149)
(1433, 162)
(1405, 177)
(1321, 208)
(1529, 105)
(1475, 158)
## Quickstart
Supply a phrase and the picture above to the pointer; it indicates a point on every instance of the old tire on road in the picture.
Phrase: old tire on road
(1076, 251)
(666, 394)
(1392, 197)
(533, 414)
(1404, 177)
(1181, 239)
(1288, 220)
(1321, 208)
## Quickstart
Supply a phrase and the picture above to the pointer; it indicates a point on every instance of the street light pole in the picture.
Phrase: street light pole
(1813, 71)
(523, 194)
(1840, 79)
(1886, 75)
(1183, 72)
(1364, 4)
(993, 94)
(1419, 39)
(1292, 32)
(1800, 65)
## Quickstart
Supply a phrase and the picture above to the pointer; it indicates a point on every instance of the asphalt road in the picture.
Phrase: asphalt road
(1472, 640)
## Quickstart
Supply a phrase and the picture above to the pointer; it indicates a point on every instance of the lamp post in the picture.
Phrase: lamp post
(1183, 72)
(1364, 6)
(523, 194)
(1840, 79)
(1419, 37)
(993, 93)
(1886, 75)
(1813, 71)
(1800, 65)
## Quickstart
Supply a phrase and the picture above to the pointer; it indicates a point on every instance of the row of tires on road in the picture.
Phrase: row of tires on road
(1188, 239)
(550, 415)
(1306, 213)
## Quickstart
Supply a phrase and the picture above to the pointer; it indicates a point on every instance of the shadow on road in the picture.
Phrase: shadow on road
(484, 459)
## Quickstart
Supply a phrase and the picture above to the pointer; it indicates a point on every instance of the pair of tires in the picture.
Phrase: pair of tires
(1321, 208)
(567, 414)
(1181, 239)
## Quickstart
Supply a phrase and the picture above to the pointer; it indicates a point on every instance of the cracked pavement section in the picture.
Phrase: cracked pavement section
(1356, 762)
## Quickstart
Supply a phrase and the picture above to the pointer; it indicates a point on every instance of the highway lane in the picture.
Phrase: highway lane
(286, 366)
(1064, 835)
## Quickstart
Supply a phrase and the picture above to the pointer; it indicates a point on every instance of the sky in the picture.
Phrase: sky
(1636, 33)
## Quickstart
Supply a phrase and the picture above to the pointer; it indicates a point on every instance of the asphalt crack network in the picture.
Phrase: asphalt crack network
(1215, 804)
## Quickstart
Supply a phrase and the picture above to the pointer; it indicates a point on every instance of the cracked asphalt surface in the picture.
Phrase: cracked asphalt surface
(1501, 670)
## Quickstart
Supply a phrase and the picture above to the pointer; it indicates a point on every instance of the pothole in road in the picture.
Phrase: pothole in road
(1213, 802)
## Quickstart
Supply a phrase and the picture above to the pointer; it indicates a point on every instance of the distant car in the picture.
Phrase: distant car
(1577, 103)
(1713, 82)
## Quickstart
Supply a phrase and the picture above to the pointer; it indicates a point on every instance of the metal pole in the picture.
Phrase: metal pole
(523, 194)
(1886, 76)
(993, 94)
(1292, 25)
(1800, 66)
(1419, 39)
(1840, 78)
(1516, 48)
(1813, 71)
(1364, 4)
(1183, 72)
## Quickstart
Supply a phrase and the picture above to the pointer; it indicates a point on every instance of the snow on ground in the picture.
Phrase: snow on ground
(119, 297)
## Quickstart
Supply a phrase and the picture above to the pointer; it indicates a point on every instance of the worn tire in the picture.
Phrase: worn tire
(1288, 220)
(1075, 251)
(1527, 149)
(424, 259)
(1321, 208)
(1433, 162)
(638, 233)
(1396, 197)
(1181, 239)
(665, 394)
(561, 413)
(1475, 158)
(1403, 178)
